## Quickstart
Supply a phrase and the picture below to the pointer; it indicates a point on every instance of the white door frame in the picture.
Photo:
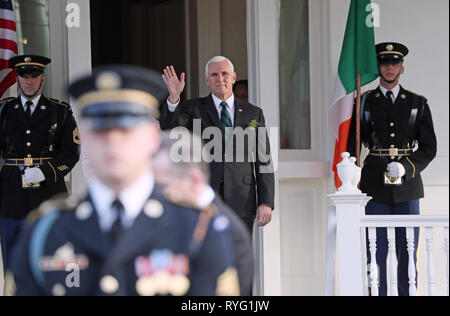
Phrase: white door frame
(70, 49)
(262, 27)
(299, 165)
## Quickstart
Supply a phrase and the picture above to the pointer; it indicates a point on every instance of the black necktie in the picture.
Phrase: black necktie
(28, 104)
(390, 97)
(117, 228)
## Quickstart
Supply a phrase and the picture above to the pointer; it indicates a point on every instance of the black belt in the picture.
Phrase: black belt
(392, 152)
(26, 162)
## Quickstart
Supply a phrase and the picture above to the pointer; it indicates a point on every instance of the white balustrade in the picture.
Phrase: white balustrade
(410, 222)
(351, 225)
(430, 266)
(373, 261)
(392, 261)
(412, 263)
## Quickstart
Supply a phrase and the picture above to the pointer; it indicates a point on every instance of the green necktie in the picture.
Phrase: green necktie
(225, 116)
(226, 121)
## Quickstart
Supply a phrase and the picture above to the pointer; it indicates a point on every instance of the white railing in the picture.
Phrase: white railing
(429, 224)
(347, 232)
(347, 225)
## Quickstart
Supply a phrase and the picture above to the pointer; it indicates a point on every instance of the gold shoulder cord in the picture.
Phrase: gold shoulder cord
(414, 167)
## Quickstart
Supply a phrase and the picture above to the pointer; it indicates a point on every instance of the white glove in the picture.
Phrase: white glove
(395, 170)
(34, 175)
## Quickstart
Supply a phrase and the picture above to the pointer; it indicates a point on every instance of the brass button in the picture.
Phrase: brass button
(28, 144)
(392, 124)
(109, 285)
(393, 135)
(154, 209)
(28, 132)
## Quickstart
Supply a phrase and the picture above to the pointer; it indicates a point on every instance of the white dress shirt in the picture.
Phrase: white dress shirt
(395, 92)
(33, 107)
(217, 102)
(133, 199)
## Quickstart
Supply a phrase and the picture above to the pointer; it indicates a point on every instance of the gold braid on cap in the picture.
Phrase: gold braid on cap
(30, 64)
(391, 52)
(114, 96)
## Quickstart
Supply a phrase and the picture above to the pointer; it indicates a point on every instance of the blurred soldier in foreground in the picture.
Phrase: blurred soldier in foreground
(124, 237)
(394, 121)
(39, 142)
(187, 183)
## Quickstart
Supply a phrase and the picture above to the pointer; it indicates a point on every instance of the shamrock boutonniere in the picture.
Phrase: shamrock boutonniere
(254, 124)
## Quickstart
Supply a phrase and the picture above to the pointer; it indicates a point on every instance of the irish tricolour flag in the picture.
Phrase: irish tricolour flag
(358, 56)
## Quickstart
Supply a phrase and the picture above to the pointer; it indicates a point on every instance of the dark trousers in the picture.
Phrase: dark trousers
(249, 221)
(408, 208)
(9, 231)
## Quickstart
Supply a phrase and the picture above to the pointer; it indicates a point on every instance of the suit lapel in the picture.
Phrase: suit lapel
(402, 101)
(403, 108)
(42, 111)
(381, 100)
(239, 113)
(20, 111)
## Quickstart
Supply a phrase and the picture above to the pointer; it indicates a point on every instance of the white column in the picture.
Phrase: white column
(373, 262)
(330, 258)
(209, 37)
(79, 63)
(393, 261)
(262, 27)
(350, 243)
(411, 266)
(446, 251)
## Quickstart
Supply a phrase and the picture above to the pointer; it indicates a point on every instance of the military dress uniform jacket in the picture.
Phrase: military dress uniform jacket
(248, 181)
(51, 132)
(156, 256)
(242, 248)
(387, 126)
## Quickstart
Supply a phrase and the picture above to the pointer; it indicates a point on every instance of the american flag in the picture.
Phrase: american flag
(8, 45)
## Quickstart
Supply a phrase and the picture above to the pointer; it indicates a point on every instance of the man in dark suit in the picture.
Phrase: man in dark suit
(186, 182)
(39, 142)
(244, 178)
(397, 128)
(123, 238)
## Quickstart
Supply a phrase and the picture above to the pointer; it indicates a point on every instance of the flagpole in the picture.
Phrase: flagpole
(358, 120)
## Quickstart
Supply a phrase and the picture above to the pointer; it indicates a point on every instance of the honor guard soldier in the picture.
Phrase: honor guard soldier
(124, 238)
(397, 128)
(39, 143)
(187, 182)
